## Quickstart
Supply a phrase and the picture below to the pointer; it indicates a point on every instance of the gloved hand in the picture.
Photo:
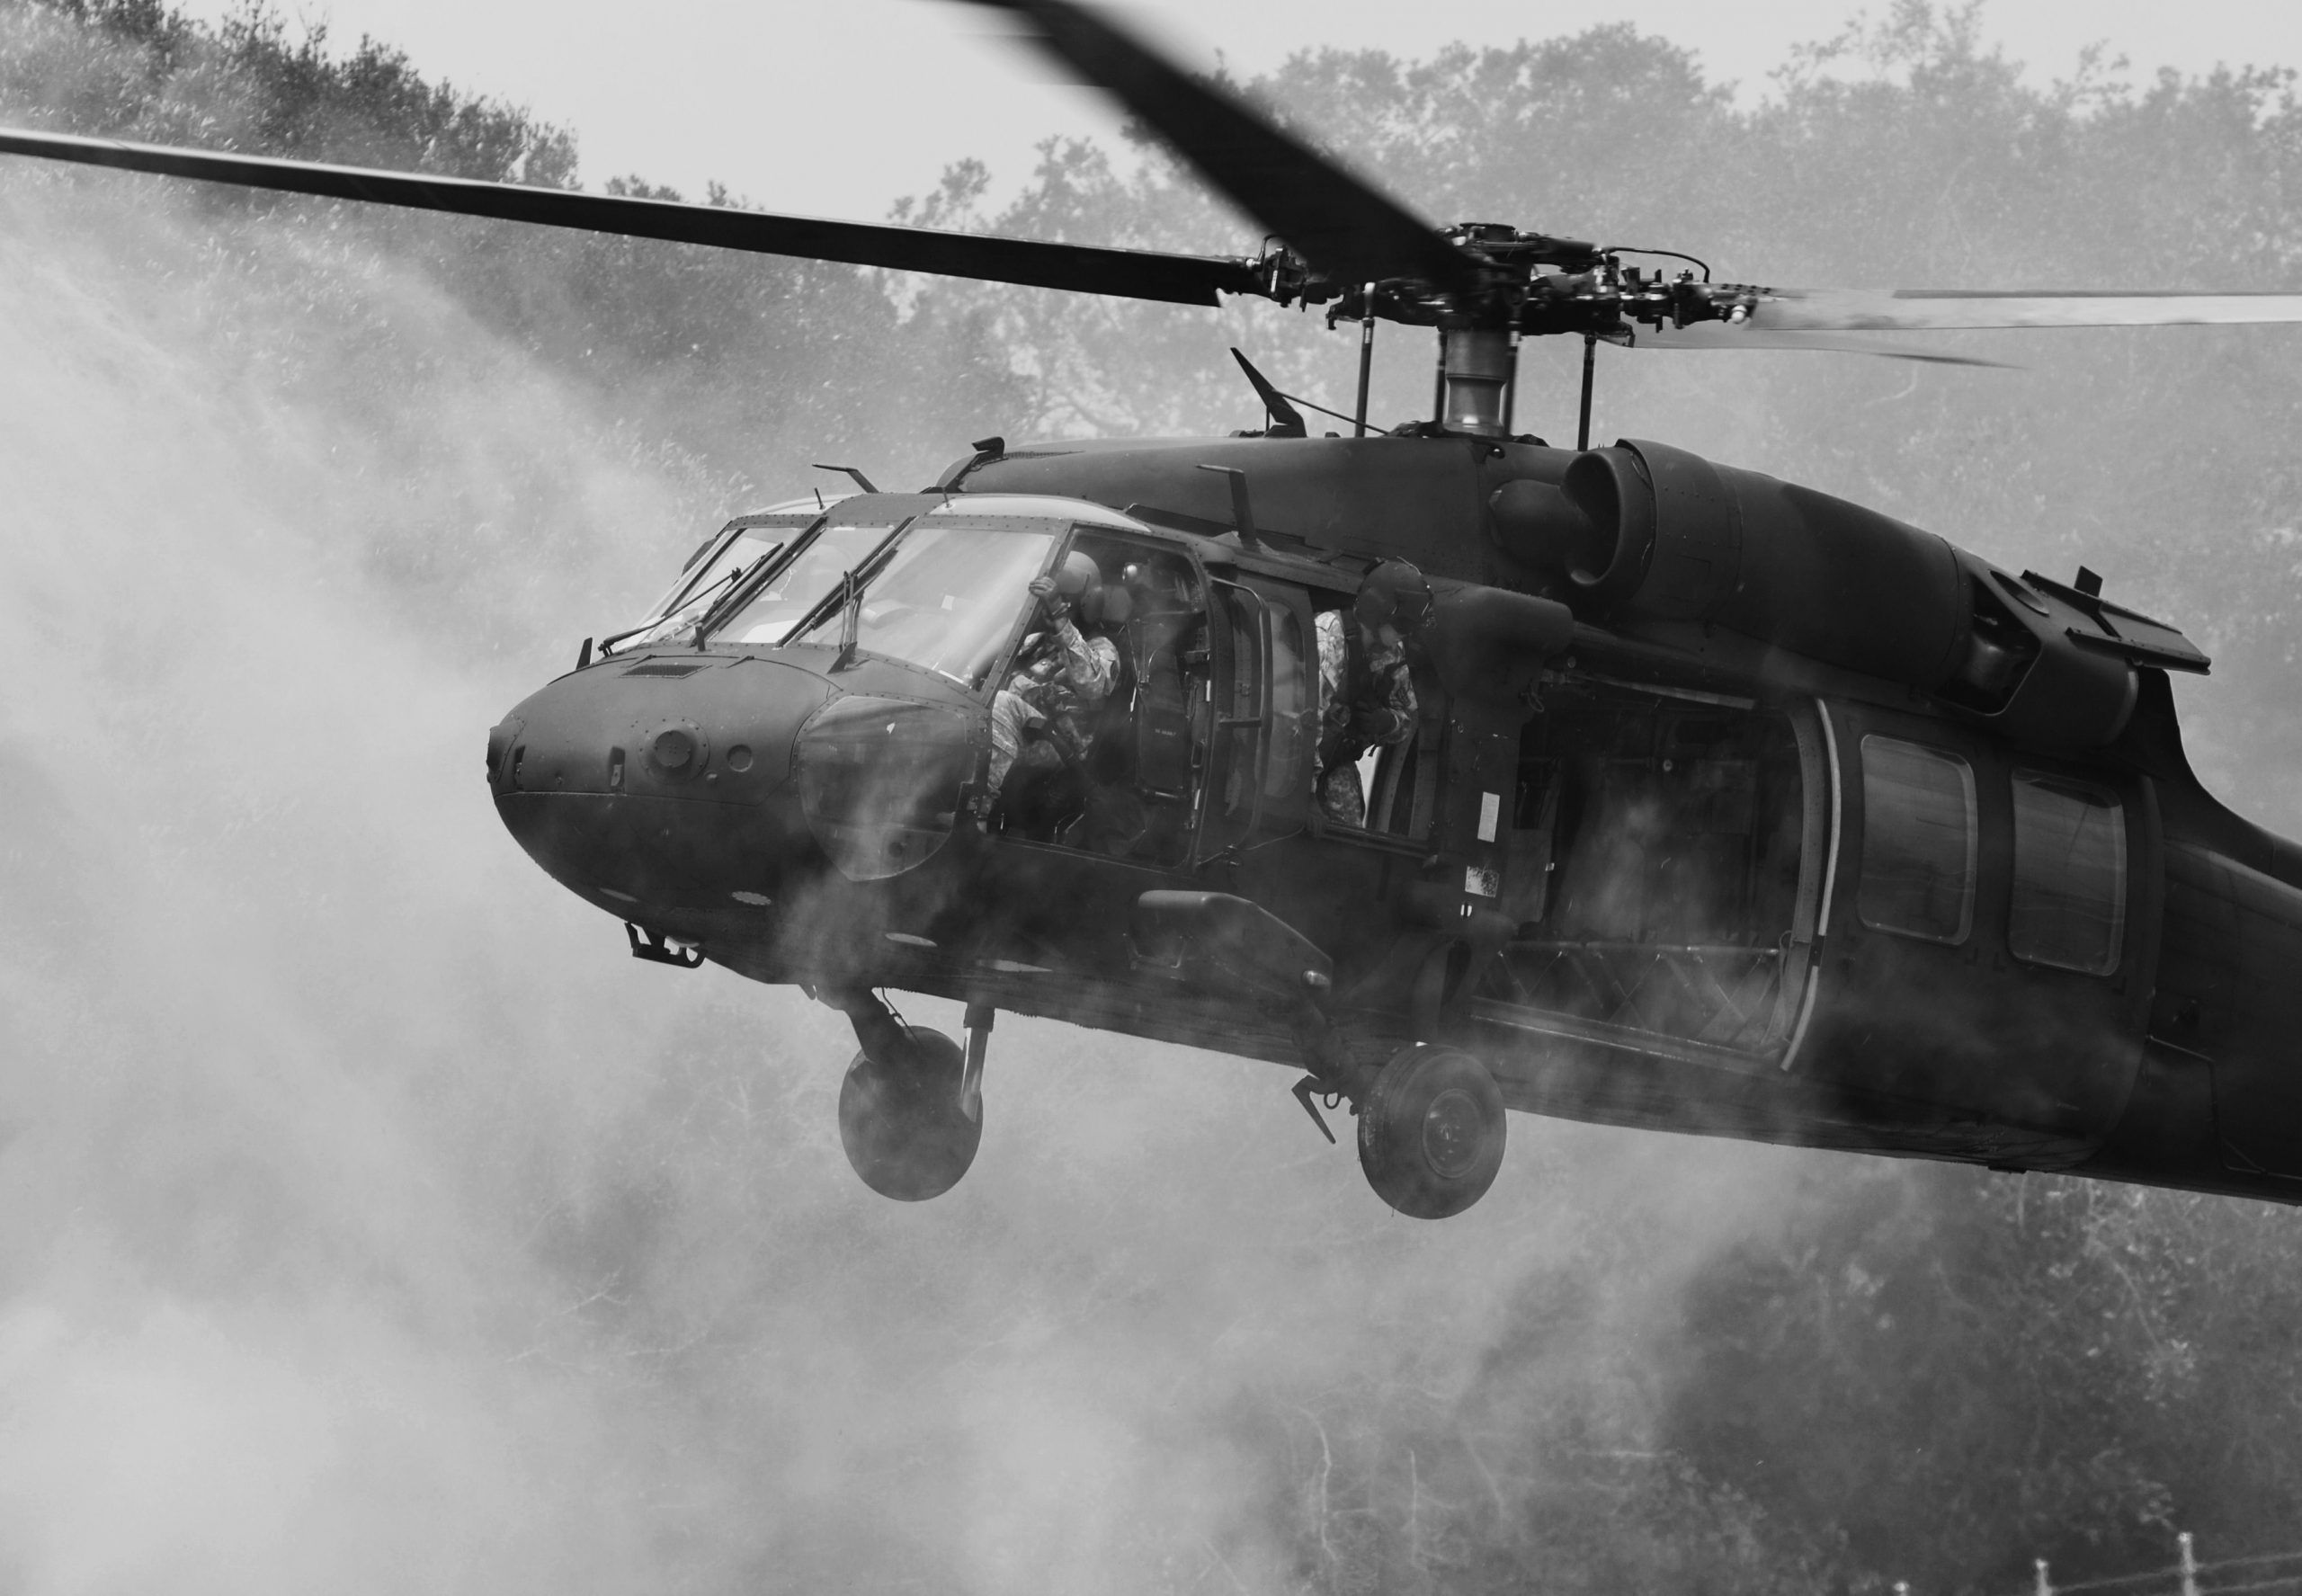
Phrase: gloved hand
(1375, 727)
(1052, 602)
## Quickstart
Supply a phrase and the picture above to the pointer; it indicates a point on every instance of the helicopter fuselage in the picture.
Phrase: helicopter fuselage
(1733, 809)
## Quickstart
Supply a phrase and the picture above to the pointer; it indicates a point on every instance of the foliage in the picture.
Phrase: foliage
(731, 356)
(1967, 1372)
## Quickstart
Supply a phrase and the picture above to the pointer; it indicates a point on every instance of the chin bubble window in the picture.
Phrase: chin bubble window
(2069, 905)
(1918, 841)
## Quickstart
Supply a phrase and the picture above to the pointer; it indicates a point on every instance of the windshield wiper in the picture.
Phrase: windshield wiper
(823, 609)
(850, 585)
(735, 579)
(672, 616)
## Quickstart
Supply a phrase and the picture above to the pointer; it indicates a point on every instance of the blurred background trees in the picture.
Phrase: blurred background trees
(1921, 1373)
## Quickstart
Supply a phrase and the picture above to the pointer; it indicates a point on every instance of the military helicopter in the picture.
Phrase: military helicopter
(1724, 806)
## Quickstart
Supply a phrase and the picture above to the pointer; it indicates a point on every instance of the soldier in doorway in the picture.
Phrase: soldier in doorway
(1366, 691)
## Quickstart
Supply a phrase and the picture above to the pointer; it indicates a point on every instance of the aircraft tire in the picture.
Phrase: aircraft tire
(900, 1118)
(1431, 1132)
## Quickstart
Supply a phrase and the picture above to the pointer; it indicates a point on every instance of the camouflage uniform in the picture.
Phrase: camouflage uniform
(1366, 701)
(1058, 683)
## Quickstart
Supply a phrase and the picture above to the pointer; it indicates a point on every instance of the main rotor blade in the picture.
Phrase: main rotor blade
(1891, 309)
(1126, 273)
(1714, 335)
(1340, 223)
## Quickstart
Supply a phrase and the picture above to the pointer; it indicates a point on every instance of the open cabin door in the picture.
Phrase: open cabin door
(1664, 863)
(1080, 837)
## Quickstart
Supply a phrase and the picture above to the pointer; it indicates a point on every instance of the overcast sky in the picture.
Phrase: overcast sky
(838, 109)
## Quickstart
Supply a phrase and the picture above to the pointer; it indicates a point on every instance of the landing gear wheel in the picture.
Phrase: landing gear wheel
(1430, 1132)
(900, 1119)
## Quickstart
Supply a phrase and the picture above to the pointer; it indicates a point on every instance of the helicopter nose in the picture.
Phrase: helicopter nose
(663, 786)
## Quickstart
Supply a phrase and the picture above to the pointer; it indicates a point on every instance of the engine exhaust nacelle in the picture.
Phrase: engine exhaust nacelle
(1645, 538)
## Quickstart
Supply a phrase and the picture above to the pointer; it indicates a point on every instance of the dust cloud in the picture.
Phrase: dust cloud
(369, 1222)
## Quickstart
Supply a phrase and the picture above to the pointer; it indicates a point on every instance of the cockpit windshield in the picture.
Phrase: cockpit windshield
(805, 580)
(708, 580)
(946, 597)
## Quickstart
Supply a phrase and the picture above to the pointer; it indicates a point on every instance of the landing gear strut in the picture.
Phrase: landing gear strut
(911, 1107)
(1430, 1132)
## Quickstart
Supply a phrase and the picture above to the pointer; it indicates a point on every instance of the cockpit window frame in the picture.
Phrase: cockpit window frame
(735, 602)
(1067, 530)
(687, 585)
(701, 562)
(1179, 845)
(859, 574)
(1062, 529)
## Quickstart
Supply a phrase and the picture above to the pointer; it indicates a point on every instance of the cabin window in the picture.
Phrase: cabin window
(1918, 841)
(1294, 718)
(2069, 906)
(1241, 722)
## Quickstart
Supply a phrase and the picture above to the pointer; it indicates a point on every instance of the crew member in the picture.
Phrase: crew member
(1366, 691)
(1043, 719)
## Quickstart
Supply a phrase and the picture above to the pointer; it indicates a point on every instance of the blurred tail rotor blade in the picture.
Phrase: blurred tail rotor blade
(1744, 336)
(1902, 309)
(1128, 274)
(1340, 223)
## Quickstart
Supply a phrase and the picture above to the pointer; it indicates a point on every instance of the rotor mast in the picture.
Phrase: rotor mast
(1512, 285)
(1476, 365)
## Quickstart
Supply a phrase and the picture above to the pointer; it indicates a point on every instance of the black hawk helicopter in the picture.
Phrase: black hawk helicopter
(1711, 803)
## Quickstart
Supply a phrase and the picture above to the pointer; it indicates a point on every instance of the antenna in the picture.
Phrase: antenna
(1287, 422)
(861, 481)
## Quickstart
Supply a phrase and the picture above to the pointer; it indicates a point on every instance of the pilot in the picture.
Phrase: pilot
(1043, 719)
(1366, 691)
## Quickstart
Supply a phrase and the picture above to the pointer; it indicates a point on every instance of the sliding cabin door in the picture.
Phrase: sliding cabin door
(1663, 859)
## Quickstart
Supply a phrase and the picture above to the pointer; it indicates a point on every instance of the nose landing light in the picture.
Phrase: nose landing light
(880, 782)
